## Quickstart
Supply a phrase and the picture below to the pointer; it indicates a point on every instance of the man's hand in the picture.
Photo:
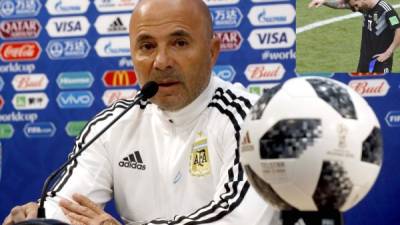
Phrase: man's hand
(315, 3)
(85, 212)
(21, 213)
(383, 56)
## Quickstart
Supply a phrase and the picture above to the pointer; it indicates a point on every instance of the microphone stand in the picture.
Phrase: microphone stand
(148, 91)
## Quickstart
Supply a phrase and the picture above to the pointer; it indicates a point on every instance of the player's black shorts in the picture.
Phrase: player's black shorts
(379, 67)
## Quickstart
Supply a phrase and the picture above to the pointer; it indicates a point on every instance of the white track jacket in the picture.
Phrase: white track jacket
(168, 167)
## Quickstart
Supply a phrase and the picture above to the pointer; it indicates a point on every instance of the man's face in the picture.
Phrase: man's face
(170, 44)
(359, 5)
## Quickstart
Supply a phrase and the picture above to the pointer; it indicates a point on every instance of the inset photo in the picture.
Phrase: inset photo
(348, 36)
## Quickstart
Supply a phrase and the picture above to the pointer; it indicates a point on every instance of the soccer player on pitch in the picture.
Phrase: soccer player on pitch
(380, 33)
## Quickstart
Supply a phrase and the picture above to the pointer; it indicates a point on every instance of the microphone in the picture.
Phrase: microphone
(148, 91)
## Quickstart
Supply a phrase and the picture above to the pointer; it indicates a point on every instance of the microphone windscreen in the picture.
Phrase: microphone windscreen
(149, 89)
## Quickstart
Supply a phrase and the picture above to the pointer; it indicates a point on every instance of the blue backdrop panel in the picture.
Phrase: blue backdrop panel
(62, 61)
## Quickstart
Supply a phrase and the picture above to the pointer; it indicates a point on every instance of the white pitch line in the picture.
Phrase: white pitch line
(331, 20)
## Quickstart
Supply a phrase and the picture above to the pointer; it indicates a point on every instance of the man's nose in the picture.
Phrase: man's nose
(163, 60)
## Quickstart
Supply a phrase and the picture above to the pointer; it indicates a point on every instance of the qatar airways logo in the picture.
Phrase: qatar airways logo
(370, 87)
(230, 40)
(13, 29)
(20, 51)
(30, 82)
(264, 72)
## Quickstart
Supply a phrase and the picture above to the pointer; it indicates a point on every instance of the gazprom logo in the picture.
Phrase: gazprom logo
(226, 17)
(225, 72)
(113, 46)
(73, 48)
(39, 130)
(75, 99)
(266, 15)
(19, 8)
(75, 80)
(65, 7)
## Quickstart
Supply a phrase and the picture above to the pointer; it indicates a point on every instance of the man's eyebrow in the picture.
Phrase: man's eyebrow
(180, 33)
(143, 37)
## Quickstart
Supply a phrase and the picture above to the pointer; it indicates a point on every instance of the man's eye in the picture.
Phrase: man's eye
(181, 43)
(146, 46)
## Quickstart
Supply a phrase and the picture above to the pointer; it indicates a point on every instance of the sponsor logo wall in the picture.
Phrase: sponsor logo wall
(62, 61)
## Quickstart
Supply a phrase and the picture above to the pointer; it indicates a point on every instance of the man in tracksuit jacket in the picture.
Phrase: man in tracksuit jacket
(173, 159)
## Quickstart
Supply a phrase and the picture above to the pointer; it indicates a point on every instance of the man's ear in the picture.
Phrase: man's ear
(215, 49)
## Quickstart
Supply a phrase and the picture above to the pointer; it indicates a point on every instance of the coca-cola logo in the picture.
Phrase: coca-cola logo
(20, 51)
(27, 28)
(370, 87)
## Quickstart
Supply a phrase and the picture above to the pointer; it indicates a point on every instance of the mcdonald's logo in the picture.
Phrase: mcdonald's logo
(119, 78)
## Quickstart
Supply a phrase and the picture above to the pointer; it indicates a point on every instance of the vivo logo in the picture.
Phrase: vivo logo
(272, 38)
(39, 130)
(225, 72)
(65, 7)
(113, 46)
(68, 26)
(68, 48)
(75, 99)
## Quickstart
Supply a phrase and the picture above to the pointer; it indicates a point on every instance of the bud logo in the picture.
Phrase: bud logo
(119, 78)
(266, 15)
(230, 40)
(64, 7)
(6, 131)
(20, 51)
(225, 72)
(113, 23)
(113, 46)
(220, 2)
(1, 83)
(272, 38)
(68, 48)
(1, 102)
(74, 128)
(75, 99)
(39, 130)
(260, 89)
(264, 72)
(30, 82)
(115, 5)
(19, 8)
(27, 28)
(370, 88)
(75, 80)
(393, 118)
(227, 17)
(67, 26)
(30, 101)
(110, 96)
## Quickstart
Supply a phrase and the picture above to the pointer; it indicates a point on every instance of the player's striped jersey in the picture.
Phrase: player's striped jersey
(182, 167)
(379, 26)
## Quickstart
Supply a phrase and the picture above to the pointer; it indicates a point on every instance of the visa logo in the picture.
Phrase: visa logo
(68, 26)
(39, 130)
(75, 99)
(272, 38)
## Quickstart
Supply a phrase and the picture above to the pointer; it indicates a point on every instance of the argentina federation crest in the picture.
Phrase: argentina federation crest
(199, 158)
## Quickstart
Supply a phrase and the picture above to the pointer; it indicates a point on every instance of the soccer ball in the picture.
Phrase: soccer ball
(311, 144)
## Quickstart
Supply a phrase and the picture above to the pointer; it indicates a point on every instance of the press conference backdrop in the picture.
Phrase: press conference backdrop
(64, 60)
